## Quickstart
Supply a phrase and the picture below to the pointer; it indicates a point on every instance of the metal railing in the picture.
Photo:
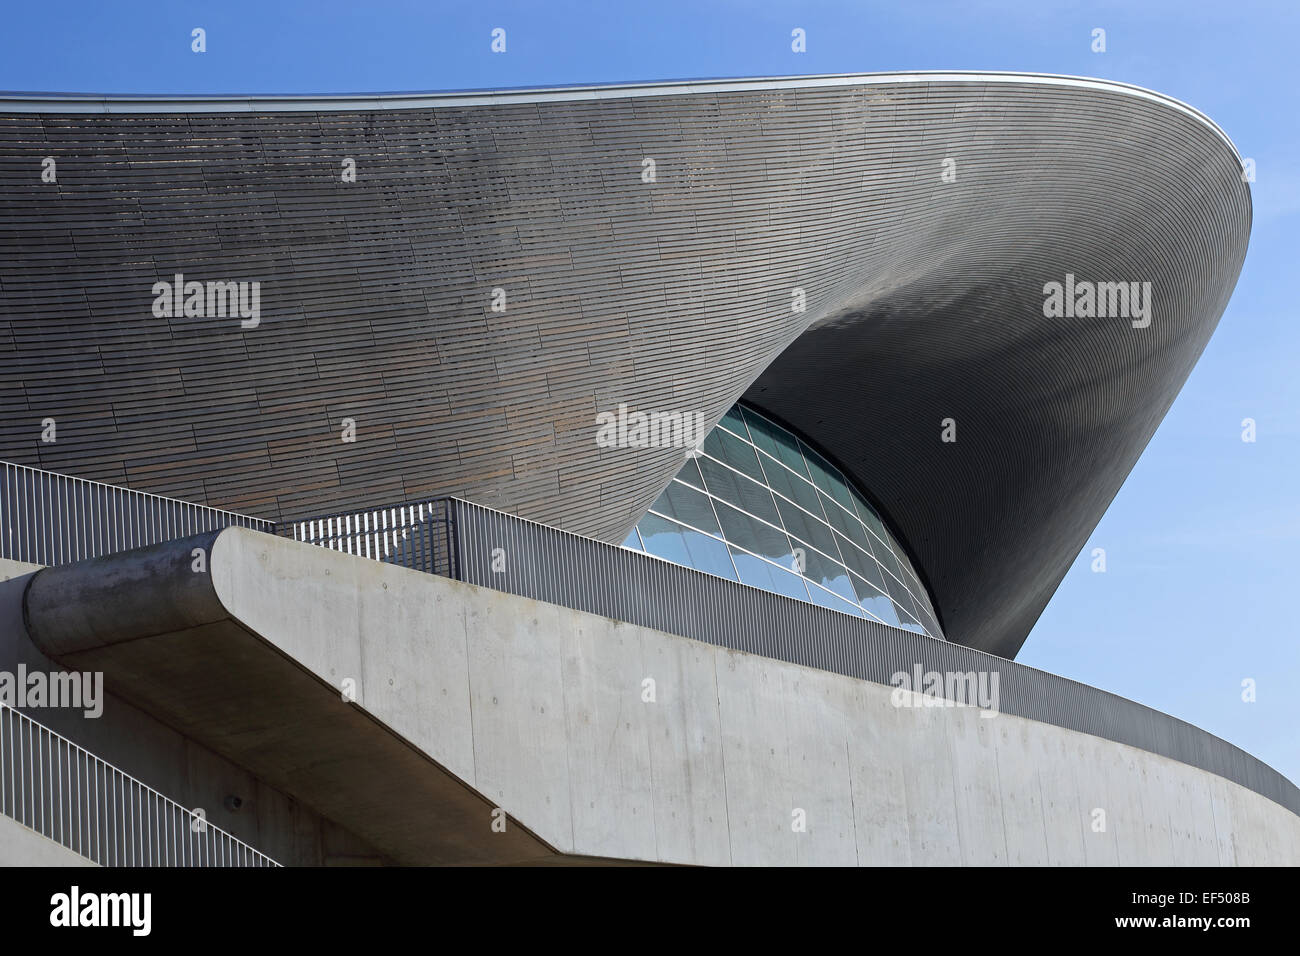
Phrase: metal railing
(492, 549)
(47, 518)
(488, 548)
(414, 534)
(66, 793)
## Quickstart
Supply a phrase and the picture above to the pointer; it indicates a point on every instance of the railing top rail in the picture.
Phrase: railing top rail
(1099, 701)
(975, 651)
(1056, 690)
(132, 491)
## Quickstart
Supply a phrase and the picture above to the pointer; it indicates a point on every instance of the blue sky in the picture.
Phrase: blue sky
(1202, 542)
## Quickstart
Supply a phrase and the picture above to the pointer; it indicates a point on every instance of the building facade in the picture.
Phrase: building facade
(906, 335)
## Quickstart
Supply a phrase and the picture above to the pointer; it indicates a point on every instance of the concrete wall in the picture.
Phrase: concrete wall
(540, 709)
(543, 711)
(20, 846)
(13, 569)
(174, 764)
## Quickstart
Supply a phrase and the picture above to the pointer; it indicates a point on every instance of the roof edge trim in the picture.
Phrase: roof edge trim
(17, 102)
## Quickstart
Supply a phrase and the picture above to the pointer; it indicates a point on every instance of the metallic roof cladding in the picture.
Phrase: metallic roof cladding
(922, 297)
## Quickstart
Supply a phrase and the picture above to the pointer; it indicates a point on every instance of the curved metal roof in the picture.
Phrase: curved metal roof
(432, 99)
(924, 297)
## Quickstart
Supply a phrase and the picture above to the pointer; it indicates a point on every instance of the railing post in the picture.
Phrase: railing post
(453, 539)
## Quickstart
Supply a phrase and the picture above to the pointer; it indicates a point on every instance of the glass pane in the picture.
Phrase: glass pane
(803, 526)
(862, 565)
(632, 541)
(729, 449)
(786, 482)
(845, 524)
(789, 584)
(909, 576)
(900, 596)
(904, 561)
(738, 490)
(930, 625)
(875, 602)
(826, 599)
(918, 594)
(777, 442)
(829, 574)
(733, 421)
(708, 554)
(907, 623)
(827, 478)
(887, 559)
(663, 538)
(764, 540)
(688, 506)
(690, 473)
(753, 571)
(868, 515)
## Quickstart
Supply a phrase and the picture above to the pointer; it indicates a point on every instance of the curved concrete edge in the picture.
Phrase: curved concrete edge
(72, 608)
(544, 712)
(160, 757)
(161, 632)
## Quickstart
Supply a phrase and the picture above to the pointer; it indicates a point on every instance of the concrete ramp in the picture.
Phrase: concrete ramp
(175, 629)
(603, 741)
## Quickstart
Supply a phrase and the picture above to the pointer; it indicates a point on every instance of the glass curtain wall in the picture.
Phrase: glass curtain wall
(757, 505)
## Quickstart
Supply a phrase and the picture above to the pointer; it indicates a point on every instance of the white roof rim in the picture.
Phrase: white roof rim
(204, 103)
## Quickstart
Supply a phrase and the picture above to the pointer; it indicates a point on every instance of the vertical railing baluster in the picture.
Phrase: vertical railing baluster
(69, 795)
